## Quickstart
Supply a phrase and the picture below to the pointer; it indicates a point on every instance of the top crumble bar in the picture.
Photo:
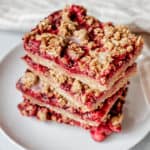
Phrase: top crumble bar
(84, 47)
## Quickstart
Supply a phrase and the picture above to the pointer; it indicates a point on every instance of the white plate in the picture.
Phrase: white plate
(33, 134)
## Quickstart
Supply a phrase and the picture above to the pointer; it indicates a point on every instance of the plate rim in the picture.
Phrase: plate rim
(10, 139)
(4, 133)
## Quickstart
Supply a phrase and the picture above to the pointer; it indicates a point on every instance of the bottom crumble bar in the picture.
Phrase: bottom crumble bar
(112, 124)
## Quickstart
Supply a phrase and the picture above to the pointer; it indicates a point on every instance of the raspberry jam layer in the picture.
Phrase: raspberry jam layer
(53, 99)
(99, 133)
(82, 45)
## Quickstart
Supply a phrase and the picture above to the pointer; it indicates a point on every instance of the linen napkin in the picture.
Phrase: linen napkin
(21, 15)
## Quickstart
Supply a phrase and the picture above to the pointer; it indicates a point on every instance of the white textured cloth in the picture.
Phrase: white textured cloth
(21, 15)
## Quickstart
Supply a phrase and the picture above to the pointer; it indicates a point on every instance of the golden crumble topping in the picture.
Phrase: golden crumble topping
(81, 35)
(109, 31)
(104, 58)
(116, 120)
(44, 25)
(66, 26)
(119, 40)
(51, 44)
(44, 87)
(98, 34)
(57, 77)
(42, 114)
(61, 78)
(89, 19)
(76, 86)
(74, 51)
(29, 79)
(62, 102)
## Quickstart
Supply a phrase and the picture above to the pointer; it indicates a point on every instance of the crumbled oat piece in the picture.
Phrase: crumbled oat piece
(129, 48)
(81, 35)
(51, 44)
(50, 93)
(88, 91)
(44, 25)
(108, 31)
(42, 114)
(93, 53)
(45, 88)
(90, 44)
(74, 51)
(81, 66)
(67, 26)
(124, 42)
(24, 112)
(52, 74)
(105, 57)
(57, 76)
(29, 79)
(117, 120)
(62, 102)
(122, 29)
(89, 19)
(118, 51)
(115, 42)
(76, 86)
(97, 31)
(109, 45)
(117, 35)
(29, 108)
(96, 93)
(86, 59)
(70, 80)
(61, 78)
(93, 64)
(56, 94)
(139, 41)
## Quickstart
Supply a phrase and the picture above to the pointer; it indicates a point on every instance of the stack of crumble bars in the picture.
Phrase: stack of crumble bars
(78, 71)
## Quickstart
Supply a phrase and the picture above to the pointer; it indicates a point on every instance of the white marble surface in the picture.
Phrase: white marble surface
(8, 41)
